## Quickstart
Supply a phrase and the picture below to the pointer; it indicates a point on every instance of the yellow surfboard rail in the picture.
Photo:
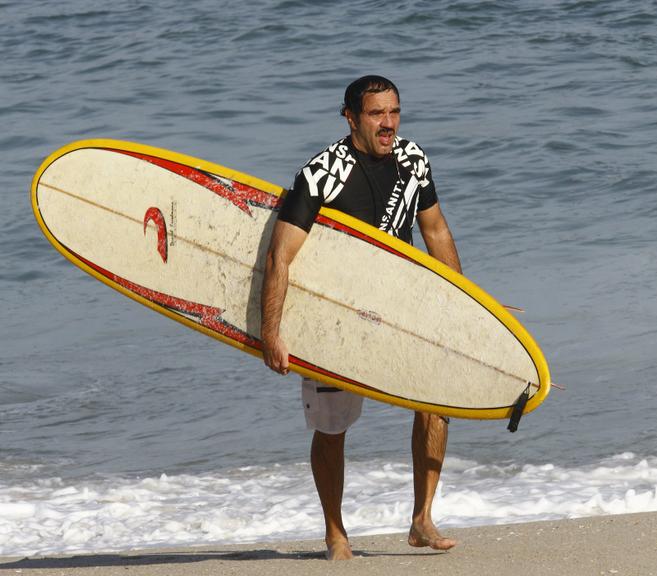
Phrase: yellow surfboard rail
(422, 258)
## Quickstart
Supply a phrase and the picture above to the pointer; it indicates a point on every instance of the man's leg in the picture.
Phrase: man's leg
(429, 445)
(330, 412)
(327, 460)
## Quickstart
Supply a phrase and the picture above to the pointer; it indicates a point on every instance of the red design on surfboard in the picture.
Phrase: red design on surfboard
(155, 215)
(237, 193)
(206, 315)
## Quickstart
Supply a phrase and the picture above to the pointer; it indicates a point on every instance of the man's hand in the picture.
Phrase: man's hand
(275, 355)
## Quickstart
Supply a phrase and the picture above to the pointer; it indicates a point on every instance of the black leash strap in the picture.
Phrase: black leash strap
(517, 410)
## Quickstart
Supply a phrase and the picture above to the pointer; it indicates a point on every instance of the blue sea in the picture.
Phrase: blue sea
(122, 429)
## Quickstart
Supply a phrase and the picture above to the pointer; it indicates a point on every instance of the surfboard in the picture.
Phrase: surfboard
(364, 312)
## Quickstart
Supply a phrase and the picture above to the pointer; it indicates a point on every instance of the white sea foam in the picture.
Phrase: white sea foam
(279, 502)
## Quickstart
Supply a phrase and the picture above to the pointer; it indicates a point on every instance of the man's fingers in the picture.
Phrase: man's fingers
(284, 362)
(283, 365)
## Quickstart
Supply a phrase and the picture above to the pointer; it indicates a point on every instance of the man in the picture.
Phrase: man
(385, 181)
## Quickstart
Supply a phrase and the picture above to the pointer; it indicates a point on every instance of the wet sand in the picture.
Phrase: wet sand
(623, 544)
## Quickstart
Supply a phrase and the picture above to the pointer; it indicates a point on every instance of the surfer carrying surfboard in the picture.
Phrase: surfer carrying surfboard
(385, 180)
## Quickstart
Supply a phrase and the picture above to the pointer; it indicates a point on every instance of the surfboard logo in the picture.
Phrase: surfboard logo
(155, 215)
(370, 316)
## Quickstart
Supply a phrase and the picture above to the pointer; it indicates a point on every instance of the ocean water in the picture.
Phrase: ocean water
(120, 428)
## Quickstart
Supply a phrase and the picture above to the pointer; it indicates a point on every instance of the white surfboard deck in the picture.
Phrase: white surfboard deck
(364, 311)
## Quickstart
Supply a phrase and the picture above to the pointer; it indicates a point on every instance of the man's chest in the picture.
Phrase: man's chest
(367, 192)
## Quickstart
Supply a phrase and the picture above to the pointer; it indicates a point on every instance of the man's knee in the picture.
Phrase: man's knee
(432, 418)
(329, 439)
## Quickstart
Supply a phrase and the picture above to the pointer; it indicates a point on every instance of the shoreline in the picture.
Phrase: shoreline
(618, 544)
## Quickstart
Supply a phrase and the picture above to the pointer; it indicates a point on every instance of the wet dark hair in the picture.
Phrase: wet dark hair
(353, 95)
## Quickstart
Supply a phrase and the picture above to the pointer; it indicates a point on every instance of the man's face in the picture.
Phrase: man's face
(374, 130)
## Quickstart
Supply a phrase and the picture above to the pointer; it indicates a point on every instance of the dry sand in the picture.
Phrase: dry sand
(625, 545)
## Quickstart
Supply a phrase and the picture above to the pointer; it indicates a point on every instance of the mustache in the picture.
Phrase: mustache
(385, 131)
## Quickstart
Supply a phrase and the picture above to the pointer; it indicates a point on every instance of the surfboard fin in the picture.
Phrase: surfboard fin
(516, 414)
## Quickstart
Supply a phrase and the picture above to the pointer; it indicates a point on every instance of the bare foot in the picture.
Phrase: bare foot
(340, 550)
(429, 537)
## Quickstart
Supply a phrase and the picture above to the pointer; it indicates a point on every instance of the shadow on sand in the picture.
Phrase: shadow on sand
(159, 558)
(153, 559)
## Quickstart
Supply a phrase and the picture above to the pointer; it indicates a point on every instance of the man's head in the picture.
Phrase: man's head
(371, 107)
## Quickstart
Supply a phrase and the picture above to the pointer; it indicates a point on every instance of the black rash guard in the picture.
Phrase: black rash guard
(384, 192)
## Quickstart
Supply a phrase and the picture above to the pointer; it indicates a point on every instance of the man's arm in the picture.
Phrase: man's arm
(286, 240)
(437, 236)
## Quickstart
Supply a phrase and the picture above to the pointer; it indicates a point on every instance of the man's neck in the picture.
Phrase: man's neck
(366, 156)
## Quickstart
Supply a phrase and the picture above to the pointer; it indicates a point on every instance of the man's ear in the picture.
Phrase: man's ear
(351, 119)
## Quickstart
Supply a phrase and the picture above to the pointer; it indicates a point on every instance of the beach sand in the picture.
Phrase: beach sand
(623, 544)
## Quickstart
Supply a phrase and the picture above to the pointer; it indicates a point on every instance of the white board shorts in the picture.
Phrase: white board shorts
(327, 409)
